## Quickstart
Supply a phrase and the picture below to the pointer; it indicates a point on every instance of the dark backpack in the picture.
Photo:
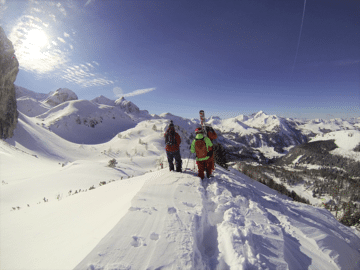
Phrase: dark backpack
(170, 137)
(211, 133)
(200, 148)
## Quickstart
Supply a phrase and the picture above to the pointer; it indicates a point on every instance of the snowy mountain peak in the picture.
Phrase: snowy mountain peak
(60, 96)
(242, 118)
(260, 114)
(104, 100)
(128, 106)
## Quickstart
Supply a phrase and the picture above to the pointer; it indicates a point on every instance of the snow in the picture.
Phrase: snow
(145, 217)
(60, 96)
(346, 140)
(31, 107)
(317, 125)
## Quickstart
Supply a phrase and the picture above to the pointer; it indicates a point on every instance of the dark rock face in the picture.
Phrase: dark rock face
(9, 68)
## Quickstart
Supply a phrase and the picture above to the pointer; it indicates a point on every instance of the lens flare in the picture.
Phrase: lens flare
(36, 38)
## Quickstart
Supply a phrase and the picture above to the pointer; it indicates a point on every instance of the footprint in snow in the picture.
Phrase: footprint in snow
(188, 204)
(138, 241)
(154, 236)
(172, 210)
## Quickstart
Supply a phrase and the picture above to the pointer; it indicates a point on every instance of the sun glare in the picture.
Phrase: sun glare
(36, 38)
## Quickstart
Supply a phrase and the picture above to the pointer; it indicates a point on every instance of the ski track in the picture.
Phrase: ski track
(224, 226)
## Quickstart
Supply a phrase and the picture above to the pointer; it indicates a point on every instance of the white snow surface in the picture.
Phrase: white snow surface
(60, 96)
(318, 125)
(146, 217)
(79, 121)
(346, 140)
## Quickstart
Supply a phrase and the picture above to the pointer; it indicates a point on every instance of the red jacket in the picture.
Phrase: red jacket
(212, 135)
(176, 147)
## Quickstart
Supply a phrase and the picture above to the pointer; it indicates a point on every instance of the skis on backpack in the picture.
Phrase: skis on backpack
(202, 121)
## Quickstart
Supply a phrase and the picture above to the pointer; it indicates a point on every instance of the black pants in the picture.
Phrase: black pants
(171, 156)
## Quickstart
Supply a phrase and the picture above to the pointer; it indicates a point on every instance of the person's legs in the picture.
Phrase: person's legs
(201, 168)
(170, 157)
(178, 161)
(208, 167)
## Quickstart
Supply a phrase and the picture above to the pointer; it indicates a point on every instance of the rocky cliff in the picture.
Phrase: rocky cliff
(9, 68)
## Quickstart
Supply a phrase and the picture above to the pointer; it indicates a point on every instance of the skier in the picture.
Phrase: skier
(201, 146)
(172, 141)
(212, 136)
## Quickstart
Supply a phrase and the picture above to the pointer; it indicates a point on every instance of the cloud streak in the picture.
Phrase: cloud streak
(119, 93)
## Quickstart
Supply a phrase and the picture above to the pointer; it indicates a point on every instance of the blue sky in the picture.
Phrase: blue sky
(225, 57)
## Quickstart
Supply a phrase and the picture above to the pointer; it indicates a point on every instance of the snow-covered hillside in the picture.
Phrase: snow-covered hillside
(258, 136)
(80, 121)
(346, 141)
(320, 126)
(62, 207)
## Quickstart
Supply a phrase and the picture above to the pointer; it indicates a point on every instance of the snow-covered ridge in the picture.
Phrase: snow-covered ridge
(80, 121)
(60, 96)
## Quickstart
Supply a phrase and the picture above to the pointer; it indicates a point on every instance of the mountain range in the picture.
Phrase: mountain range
(259, 137)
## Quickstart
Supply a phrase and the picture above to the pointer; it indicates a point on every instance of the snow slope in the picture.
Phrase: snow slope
(80, 121)
(60, 96)
(233, 224)
(84, 122)
(346, 140)
(148, 218)
(62, 207)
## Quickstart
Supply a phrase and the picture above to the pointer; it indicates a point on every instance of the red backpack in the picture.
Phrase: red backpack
(200, 148)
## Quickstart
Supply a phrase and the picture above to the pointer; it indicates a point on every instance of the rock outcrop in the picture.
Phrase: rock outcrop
(9, 68)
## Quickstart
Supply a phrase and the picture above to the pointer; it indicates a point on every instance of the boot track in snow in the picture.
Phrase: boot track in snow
(233, 223)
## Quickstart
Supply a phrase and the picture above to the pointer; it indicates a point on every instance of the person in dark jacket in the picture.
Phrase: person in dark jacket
(172, 141)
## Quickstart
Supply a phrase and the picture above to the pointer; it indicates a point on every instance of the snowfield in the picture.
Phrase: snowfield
(145, 217)
(346, 140)
(63, 207)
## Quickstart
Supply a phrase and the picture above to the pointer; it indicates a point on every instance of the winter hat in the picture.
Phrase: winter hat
(171, 124)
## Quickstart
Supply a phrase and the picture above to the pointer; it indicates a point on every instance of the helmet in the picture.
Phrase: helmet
(171, 124)
(198, 130)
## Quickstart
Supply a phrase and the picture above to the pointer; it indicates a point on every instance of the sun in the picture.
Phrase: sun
(36, 39)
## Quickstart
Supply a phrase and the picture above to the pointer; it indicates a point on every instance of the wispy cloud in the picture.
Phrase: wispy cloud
(88, 2)
(84, 75)
(119, 92)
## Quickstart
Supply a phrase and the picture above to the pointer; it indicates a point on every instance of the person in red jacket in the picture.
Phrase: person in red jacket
(172, 141)
(212, 136)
